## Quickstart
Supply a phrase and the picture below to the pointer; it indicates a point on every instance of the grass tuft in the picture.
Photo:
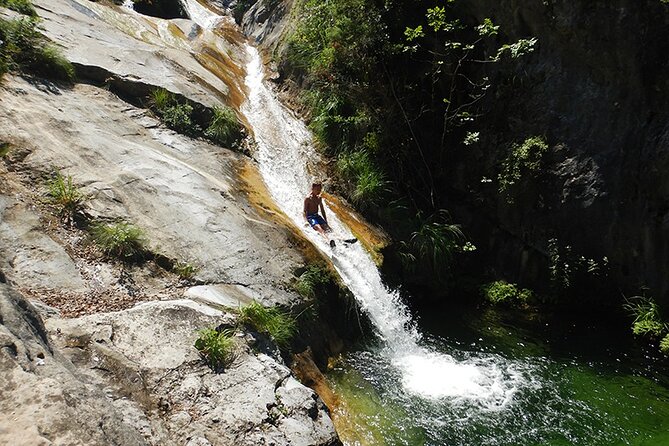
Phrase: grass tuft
(120, 239)
(24, 48)
(65, 196)
(646, 314)
(309, 280)
(217, 348)
(664, 345)
(224, 128)
(185, 270)
(279, 325)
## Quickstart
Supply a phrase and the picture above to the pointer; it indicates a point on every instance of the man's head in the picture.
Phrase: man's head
(316, 188)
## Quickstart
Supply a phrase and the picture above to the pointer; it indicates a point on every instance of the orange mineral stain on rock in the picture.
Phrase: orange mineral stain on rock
(307, 372)
(371, 237)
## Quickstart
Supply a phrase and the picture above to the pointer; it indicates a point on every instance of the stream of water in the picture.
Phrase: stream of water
(421, 384)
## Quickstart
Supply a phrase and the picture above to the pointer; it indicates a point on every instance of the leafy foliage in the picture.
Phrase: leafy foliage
(175, 114)
(23, 48)
(224, 128)
(664, 345)
(121, 239)
(184, 270)
(646, 314)
(433, 244)
(21, 6)
(524, 159)
(280, 326)
(503, 292)
(570, 271)
(217, 348)
(65, 196)
(363, 179)
(393, 89)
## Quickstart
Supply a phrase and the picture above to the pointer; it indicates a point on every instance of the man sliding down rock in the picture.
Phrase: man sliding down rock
(312, 204)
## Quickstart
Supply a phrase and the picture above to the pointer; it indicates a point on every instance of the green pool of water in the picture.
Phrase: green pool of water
(573, 383)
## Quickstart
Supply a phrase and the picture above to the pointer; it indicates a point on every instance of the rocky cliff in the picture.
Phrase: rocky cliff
(596, 88)
(100, 351)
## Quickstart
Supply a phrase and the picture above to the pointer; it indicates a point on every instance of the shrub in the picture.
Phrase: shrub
(49, 62)
(160, 99)
(646, 314)
(119, 239)
(664, 345)
(25, 48)
(175, 115)
(503, 292)
(524, 158)
(280, 326)
(432, 244)
(178, 118)
(224, 128)
(184, 270)
(65, 196)
(217, 348)
(309, 280)
(4, 147)
(20, 6)
(365, 182)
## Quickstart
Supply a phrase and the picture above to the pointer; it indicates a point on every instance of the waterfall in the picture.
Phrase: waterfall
(283, 150)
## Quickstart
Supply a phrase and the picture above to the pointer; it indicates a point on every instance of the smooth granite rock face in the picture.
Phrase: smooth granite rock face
(184, 193)
(134, 378)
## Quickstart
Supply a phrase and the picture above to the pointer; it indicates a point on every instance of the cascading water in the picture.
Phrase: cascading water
(414, 389)
(283, 148)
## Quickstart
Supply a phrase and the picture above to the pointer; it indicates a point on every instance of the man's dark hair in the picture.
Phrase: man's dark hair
(316, 185)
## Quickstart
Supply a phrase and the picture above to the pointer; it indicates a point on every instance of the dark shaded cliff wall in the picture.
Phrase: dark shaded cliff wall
(597, 88)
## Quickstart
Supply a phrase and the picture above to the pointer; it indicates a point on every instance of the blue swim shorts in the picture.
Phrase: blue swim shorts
(315, 219)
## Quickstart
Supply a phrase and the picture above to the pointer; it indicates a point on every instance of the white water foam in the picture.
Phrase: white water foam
(283, 146)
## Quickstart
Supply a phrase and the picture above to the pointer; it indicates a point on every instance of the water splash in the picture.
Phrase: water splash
(284, 150)
(284, 146)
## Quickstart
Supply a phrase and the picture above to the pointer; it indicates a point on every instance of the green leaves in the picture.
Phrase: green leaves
(217, 348)
(279, 325)
(517, 49)
(120, 239)
(499, 292)
(412, 34)
(525, 158)
(487, 28)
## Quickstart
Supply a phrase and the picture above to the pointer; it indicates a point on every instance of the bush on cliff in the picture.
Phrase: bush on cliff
(313, 277)
(121, 239)
(224, 128)
(499, 292)
(65, 196)
(279, 325)
(21, 6)
(647, 320)
(216, 347)
(22, 47)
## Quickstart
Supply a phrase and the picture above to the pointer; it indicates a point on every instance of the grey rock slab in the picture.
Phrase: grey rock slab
(181, 191)
(151, 347)
(28, 256)
(117, 42)
(43, 399)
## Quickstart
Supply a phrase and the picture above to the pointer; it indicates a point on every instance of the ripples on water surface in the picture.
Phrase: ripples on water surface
(538, 398)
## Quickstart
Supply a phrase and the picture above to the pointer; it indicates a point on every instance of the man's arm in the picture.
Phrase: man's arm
(304, 210)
